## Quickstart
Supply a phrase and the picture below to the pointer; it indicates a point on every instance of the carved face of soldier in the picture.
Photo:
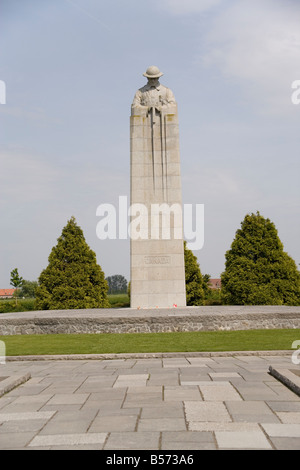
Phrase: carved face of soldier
(153, 81)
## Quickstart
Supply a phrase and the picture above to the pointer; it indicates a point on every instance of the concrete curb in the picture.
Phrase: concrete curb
(12, 382)
(287, 377)
(66, 357)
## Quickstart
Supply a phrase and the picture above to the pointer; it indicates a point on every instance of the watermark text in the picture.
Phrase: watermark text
(296, 94)
(296, 354)
(2, 92)
(2, 352)
(156, 222)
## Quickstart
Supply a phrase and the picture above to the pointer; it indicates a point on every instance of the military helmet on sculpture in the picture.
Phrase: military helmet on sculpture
(153, 72)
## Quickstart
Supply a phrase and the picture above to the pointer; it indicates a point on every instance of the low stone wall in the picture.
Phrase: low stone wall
(148, 321)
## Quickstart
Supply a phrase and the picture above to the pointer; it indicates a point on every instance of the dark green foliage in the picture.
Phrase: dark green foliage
(26, 305)
(119, 300)
(206, 288)
(16, 281)
(193, 279)
(129, 289)
(257, 270)
(72, 279)
(117, 284)
(211, 296)
(28, 289)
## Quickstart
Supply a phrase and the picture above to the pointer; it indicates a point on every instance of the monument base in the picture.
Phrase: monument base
(130, 320)
(157, 274)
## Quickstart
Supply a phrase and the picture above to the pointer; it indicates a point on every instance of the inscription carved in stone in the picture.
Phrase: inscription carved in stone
(157, 259)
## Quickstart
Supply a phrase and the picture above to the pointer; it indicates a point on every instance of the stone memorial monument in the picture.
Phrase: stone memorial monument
(156, 246)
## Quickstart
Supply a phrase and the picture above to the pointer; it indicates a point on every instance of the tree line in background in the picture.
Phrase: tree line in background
(257, 272)
(117, 284)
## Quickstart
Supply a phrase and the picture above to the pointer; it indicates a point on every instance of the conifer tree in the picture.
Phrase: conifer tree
(257, 270)
(193, 279)
(16, 281)
(72, 279)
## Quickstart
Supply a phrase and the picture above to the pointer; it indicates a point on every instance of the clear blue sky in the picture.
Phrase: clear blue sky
(71, 69)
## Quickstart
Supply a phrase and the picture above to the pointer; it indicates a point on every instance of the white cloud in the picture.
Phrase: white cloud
(186, 7)
(257, 42)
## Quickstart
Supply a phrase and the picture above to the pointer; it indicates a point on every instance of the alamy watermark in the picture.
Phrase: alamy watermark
(157, 222)
(295, 358)
(2, 352)
(296, 94)
(2, 92)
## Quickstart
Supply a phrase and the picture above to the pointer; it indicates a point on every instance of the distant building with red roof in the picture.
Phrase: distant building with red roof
(214, 283)
(7, 293)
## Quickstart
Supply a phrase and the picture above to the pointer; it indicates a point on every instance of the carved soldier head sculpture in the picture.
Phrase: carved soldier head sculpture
(153, 74)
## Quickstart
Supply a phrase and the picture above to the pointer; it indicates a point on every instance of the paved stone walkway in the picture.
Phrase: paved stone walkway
(178, 403)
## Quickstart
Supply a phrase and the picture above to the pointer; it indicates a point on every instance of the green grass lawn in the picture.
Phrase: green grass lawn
(150, 342)
(119, 300)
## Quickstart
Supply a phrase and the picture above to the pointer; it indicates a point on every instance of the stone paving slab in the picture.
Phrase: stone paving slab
(282, 430)
(253, 411)
(242, 440)
(206, 412)
(68, 440)
(25, 416)
(150, 404)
